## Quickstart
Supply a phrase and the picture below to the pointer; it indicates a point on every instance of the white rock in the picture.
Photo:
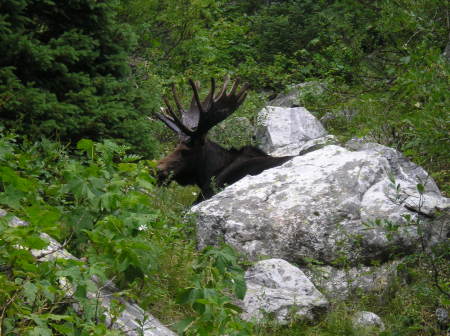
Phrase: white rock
(325, 205)
(365, 319)
(442, 317)
(280, 127)
(274, 286)
(302, 148)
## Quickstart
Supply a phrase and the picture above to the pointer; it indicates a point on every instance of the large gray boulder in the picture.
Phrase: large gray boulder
(333, 205)
(286, 129)
(278, 288)
(301, 148)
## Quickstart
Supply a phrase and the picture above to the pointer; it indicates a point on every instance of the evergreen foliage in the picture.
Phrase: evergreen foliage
(64, 73)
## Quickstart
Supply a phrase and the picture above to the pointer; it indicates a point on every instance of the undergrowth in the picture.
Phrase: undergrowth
(103, 204)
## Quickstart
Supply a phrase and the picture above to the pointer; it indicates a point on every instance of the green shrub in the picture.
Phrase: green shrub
(104, 205)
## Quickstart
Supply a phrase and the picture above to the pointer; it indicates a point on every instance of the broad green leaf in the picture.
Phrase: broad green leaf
(65, 329)
(182, 326)
(30, 291)
(240, 288)
(35, 242)
(40, 331)
(420, 188)
(86, 145)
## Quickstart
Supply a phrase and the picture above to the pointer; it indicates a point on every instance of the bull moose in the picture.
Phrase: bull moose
(199, 161)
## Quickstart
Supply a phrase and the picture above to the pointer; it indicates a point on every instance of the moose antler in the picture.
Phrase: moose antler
(202, 116)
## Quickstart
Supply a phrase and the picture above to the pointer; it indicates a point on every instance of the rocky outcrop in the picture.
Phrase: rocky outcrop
(286, 130)
(346, 213)
(323, 205)
(276, 287)
(302, 148)
(333, 205)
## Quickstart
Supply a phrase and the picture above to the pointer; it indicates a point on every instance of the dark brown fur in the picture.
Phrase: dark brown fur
(212, 167)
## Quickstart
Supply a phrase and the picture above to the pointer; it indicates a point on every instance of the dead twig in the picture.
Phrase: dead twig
(8, 303)
(59, 248)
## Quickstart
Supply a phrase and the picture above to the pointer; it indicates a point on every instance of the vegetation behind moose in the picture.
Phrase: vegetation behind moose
(199, 161)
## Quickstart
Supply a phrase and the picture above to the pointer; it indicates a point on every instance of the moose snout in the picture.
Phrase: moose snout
(163, 175)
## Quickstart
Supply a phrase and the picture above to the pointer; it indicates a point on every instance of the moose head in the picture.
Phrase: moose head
(198, 160)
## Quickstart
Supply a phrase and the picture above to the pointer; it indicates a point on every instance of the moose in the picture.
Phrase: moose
(199, 161)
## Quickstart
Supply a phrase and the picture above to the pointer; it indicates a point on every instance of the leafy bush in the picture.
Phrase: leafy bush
(218, 279)
(106, 208)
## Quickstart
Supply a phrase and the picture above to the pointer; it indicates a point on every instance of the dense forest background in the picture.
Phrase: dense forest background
(79, 80)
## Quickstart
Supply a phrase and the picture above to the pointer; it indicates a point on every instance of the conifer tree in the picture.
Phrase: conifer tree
(64, 72)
